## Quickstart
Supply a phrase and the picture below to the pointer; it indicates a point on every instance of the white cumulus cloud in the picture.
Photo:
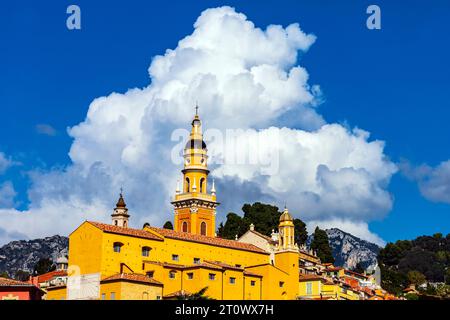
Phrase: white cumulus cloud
(243, 77)
(434, 182)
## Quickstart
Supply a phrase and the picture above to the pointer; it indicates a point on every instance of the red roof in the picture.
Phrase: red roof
(310, 277)
(139, 233)
(224, 265)
(5, 282)
(50, 275)
(214, 241)
(133, 277)
(356, 274)
(334, 269)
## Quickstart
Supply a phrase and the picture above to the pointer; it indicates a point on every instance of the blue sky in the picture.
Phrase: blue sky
(393, 82)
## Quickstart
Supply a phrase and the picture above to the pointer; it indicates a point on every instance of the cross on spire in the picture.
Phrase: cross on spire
(196, 108)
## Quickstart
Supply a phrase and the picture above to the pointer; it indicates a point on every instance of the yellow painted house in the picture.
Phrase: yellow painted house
(113, 261)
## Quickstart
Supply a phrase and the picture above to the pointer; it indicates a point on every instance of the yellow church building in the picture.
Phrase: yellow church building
(114, 261)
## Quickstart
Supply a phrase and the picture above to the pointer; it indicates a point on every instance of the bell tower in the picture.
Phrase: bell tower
(287, 253)
(120, 214)
(194, 207)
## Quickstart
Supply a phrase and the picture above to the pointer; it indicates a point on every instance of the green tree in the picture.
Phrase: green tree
(22, 275)
(301, 234)
(4, 274)
(168, 225)
(265, 217)
(321, 245)
(233, 226)
(359, 268)
(416, 278)
(44, 265)
(393, 281)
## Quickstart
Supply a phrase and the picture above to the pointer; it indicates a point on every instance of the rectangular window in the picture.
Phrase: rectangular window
(175, 257)
(172, 274)
(281, 284)
(232, 280)
(150, 274)
(309, 288)
(212, 276)
(252, 283)
(190, 275)
(196, 260)
(145, 251)
(103, 296)
(113, 296)
(158, 297)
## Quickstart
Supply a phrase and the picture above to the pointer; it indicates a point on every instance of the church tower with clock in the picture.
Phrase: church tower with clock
(194, 206)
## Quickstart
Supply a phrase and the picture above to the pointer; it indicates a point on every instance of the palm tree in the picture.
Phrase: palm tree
(199, 295)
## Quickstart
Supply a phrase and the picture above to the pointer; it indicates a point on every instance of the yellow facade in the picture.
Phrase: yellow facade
(124, 290)
(56, 293)
(310, 289)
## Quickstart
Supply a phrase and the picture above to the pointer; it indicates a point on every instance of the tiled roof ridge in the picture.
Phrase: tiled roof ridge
(132, 277)
(6, 282)
(140, 233)
(214, 241)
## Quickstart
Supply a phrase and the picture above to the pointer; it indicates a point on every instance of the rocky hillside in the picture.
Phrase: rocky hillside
(23, 255)
(348, 250)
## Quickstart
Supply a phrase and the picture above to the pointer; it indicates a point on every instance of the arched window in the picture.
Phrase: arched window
(203, 228)
(185, 226)
(117, 246)
(202, 185)
(125, 224)
(188, 185)
(146, 251)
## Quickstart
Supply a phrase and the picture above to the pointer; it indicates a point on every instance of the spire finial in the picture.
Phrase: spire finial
(213, 189)
(196, 108)
(121, 201)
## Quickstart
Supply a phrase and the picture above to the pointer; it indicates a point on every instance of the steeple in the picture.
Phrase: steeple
(194, 206)
(120, 214)
(286, 231)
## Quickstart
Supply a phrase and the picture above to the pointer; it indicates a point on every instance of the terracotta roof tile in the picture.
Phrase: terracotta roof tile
(334, 269)
(248, 273)
(5, 282)
(185, 267)
(356, 274)
(224, 265)
(109, 228)
(134, 277)
(214, 241)
(310, 277)
(50, 275)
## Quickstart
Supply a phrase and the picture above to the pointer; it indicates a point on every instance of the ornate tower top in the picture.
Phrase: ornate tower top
(286, 231)
(120, 214)
(286, 216)
(194, 205)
